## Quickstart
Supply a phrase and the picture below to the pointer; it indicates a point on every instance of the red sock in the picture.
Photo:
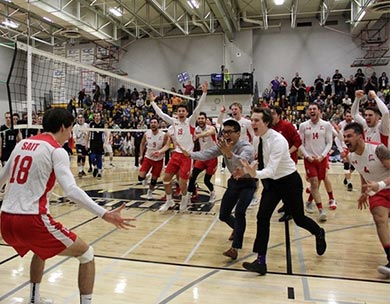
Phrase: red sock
(310, 199)
(330, 194)
(319, 206)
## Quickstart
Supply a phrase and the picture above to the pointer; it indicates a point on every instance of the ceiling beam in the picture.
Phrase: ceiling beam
(293, 10)
(264, 12)
(162, 9)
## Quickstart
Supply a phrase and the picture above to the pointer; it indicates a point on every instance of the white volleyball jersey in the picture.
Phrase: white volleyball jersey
(206, 142)
(32, 179)
(369, 165)
(316, 138)
(183, 132)
(374, 135)
(154, 142)
(80, 136)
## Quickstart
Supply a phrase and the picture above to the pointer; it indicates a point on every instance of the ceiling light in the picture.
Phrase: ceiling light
(48, 19)
(116, 11)
(193, 3)
(10, 23)
(279, 2)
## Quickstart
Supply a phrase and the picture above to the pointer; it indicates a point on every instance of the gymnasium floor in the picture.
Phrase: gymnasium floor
(177, 257)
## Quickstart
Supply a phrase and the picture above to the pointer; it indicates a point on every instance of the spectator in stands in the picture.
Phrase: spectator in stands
(336, 77)
(81, 98)
(188, 88)
(318, 85)
(359, 80)
(107, 91)
(383, 81)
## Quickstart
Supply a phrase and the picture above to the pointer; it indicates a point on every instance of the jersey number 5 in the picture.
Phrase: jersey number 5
(20, 169)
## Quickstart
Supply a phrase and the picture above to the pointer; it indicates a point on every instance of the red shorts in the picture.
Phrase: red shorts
(38, 233)
(316, 169)
(382, 198)
(156, 166)
(179, 163)
(209, 165)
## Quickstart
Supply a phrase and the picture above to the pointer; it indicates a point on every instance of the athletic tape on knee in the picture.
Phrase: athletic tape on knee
(87, 256)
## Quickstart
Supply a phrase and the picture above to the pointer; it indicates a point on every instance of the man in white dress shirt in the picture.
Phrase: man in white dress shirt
(283, 183)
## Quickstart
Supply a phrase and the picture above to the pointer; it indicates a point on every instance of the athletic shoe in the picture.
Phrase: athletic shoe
(95, 172)
(255, 266)
(332, 204)
(349, 187)
(222, 170)
(145, 182)
(309, 207)
(80, 174)
(183, 203)
(320, 242)
(322, 217)
(345, 181)
(167, 205)
(99, 176)
(83, 173)
(89, 170)
(212, 197)
(149, 195)
(231, 253)
(385, 270)
(43, 301)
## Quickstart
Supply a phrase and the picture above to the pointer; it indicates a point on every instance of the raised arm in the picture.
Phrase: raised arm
(202, 99)
(384, 127)
(355, 108)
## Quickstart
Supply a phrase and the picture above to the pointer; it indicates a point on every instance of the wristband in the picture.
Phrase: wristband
(381, 185)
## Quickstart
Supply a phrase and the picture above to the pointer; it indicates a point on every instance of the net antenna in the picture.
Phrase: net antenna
(52, 80)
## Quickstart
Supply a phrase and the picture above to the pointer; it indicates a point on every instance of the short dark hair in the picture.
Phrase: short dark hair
(182, 105)
(55, 118)
(278, 110)
(356, 127)
(374, 109)
(267, 115)
(203, 114)
(232, 123)
(317, 105)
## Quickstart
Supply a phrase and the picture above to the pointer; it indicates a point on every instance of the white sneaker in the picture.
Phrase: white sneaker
(322, 217)
(222, 170)
(212, 197)
(385, 270)
(184, 203)
(145, 182)
(309, 207)
(168, 204)
(149, 195)
(43, 301)
(332, 204)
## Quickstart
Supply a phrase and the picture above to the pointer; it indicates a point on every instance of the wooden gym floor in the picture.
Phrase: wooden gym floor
(177, 257)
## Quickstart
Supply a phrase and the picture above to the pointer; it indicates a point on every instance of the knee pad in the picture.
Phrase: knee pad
(87, 256)
(153, 182)
(346, 166)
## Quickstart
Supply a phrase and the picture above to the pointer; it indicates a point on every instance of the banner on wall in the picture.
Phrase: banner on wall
(59, 76)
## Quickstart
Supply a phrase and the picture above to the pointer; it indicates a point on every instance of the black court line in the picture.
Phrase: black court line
(239, 270)
(290, 293)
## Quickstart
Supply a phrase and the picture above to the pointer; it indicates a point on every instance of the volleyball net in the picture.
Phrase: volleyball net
(39, 80)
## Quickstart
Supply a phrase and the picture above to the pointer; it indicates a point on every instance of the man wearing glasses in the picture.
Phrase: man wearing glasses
(239, 191)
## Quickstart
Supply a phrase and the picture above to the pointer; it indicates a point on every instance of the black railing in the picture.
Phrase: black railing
(235, 84)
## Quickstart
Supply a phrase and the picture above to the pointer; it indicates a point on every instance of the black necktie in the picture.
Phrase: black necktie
(260, 165)
(260, 158)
